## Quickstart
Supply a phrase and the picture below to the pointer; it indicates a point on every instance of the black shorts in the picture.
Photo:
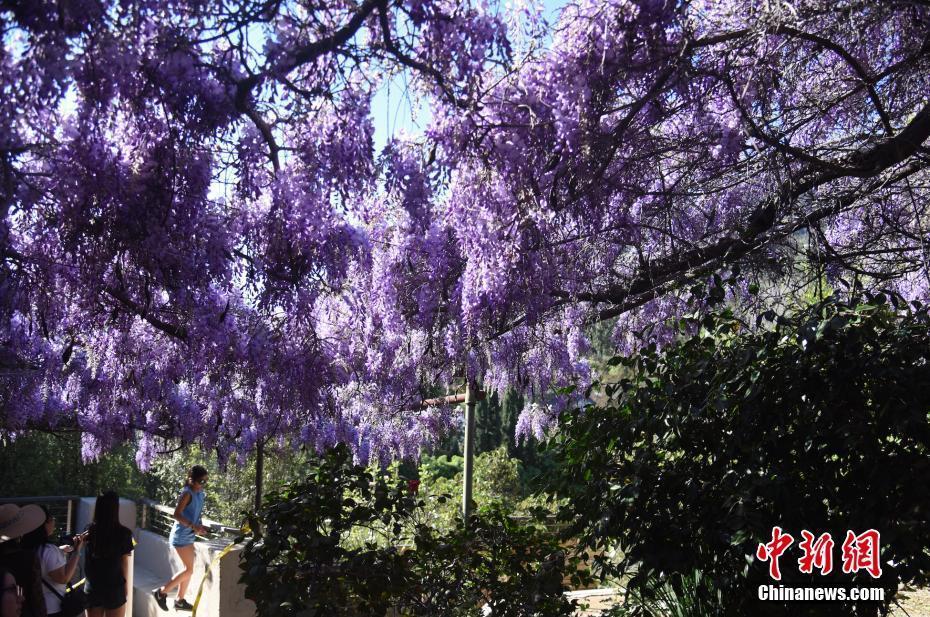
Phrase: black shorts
(108, 598)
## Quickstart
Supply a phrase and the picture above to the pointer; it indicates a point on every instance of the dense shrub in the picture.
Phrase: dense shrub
(815, 421)
(514, 568)
(346, 541)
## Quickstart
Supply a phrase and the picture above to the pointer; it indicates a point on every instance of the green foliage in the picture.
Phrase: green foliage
(50, 464)
(308, 559)
(679, 595)
(41, 464)
(495, 426)
(517, 569)
(300, 564)
(435, 467)
(499, 480)
(231, 489)
(817, 421)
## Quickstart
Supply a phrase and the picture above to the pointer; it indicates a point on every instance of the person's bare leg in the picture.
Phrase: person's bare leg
(188, 558)
(95, 611)
(182, 578)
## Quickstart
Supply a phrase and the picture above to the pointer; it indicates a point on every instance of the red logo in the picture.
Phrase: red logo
(860, 552)
(773, 550)
(817, 553)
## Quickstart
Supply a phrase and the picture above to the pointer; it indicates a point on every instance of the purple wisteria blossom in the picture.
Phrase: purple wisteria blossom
(200, 242)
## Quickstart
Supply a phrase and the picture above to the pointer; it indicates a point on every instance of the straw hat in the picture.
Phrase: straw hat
(16, 521)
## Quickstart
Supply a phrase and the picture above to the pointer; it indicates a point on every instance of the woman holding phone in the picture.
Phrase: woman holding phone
(58, 563)
(187, 524)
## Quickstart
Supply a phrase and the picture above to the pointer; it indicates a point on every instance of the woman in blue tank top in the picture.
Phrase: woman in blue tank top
(187, 519)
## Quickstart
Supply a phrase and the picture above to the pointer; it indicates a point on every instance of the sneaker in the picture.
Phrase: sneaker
(182, 605)
(161, 599)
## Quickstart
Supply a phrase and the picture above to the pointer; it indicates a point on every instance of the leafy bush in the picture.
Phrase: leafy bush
(499, 481)
(816, 421)
(678, 595)
(514, 568)
(298, 561)
(346, 541)
(434, 467)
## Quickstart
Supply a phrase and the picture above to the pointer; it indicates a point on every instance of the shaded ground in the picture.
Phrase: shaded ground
(914, 603)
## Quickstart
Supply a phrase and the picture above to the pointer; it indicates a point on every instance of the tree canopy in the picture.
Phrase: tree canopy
(200, 241)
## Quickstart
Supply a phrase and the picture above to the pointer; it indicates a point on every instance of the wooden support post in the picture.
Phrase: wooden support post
(468, 475)
(259, 474)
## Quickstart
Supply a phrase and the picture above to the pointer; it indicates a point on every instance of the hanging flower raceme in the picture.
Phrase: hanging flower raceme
(199, 241)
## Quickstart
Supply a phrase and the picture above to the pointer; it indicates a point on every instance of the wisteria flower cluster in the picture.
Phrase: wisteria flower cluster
(198, 240)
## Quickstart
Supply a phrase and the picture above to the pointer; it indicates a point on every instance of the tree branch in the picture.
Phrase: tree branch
(867, 78)
(175, 331)
(300, 57)
(414, 63)
(867, 162)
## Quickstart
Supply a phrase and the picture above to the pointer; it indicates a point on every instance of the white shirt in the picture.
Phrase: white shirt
(51, 558)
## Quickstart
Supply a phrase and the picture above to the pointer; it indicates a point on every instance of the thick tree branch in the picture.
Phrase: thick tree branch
(868, 80)
(413, 63)
(310, 52)
(175, 331)
(867, 162)
(299, 57)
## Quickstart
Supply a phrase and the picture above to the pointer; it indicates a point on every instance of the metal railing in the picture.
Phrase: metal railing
(62, 507)
(150, 515)
(159, 518)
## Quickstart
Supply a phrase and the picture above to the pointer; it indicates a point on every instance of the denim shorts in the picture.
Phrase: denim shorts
(181, 536)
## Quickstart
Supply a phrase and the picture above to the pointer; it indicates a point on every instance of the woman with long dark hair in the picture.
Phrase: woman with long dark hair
(187, 517)
(58, 564)
(108, 545)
